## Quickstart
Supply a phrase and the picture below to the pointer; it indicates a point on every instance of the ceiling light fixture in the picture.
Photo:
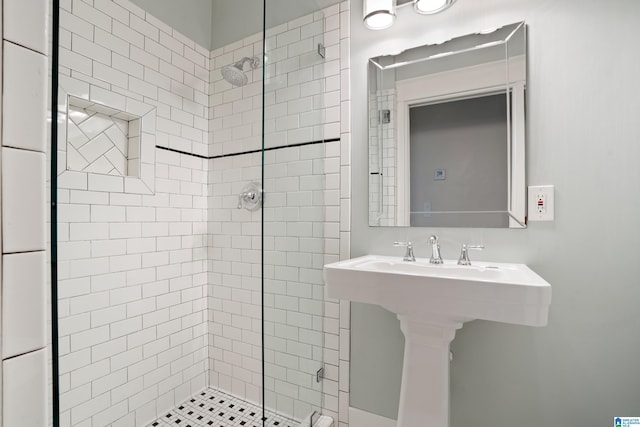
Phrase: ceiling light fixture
(381, 14)
(428, 7)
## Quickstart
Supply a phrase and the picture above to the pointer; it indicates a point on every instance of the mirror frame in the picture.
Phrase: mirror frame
(482, 79)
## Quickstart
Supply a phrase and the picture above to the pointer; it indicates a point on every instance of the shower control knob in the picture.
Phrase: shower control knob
(251, 197)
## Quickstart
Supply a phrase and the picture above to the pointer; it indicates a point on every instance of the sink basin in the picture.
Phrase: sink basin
(432, 301)
(508, 293)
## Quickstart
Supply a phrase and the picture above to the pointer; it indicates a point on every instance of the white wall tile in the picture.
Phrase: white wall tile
(23, 101)
(24, 22)
(23, 303)
(24, 390)
(23, 221)
(94, 16)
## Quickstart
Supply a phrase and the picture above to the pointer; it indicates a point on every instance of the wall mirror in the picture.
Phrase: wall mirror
(447, 133)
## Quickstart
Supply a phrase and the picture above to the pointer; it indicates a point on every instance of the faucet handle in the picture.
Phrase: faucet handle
(464, 253)
(408, 255)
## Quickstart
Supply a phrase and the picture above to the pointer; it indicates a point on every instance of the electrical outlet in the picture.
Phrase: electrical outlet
(541, 206)
(541, 202)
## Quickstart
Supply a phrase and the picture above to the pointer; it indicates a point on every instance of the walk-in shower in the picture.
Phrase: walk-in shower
(174, 306)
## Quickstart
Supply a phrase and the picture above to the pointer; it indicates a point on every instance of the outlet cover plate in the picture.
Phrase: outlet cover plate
(543, 211)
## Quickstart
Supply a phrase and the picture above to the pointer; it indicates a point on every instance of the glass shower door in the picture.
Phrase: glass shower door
(294, 211)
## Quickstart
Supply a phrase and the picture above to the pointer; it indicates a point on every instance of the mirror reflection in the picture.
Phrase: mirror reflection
(446, 133)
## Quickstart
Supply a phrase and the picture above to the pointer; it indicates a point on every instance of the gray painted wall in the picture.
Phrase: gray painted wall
(583, 137)
(216, 23)
(191, 17)
(235, 19)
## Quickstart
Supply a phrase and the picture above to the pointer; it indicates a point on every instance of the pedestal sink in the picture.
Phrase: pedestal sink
(432, 302)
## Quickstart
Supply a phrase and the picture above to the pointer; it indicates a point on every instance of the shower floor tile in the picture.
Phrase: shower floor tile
(213, 408)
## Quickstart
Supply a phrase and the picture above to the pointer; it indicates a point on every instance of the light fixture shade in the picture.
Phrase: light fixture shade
(379, 14)
(428, 7)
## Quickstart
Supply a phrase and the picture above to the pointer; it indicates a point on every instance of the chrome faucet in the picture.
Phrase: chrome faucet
(435, 250)
(464, 253)
(408, 255)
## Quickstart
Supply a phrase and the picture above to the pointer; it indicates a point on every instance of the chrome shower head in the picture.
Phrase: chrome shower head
(235, 75)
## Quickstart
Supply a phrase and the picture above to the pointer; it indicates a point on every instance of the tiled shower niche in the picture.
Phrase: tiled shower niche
(106, 142)
(102, 140)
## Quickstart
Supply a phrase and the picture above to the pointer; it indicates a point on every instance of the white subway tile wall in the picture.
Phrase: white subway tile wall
(160, 287)
(234, 294)
(301, 333)
(132, 262)
(132, 283)
(24, 121)
(300, 234)
(302, 89)
(306, 99)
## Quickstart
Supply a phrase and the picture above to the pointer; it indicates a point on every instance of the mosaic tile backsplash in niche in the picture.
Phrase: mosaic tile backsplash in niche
(102, 140)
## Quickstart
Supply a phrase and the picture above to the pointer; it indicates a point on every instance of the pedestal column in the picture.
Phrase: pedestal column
(424, 396)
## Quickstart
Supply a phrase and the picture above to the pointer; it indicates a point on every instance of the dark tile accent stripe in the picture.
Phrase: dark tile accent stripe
(300, 144)
(186, 153)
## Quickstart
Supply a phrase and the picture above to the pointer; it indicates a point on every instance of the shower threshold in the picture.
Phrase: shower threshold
(213, 408)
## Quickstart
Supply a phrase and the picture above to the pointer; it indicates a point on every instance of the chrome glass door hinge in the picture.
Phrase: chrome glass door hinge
(385, 116)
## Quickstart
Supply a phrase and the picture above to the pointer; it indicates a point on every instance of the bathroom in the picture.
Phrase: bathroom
(165, 288)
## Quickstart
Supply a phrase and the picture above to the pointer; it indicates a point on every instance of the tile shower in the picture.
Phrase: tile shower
(162, 284)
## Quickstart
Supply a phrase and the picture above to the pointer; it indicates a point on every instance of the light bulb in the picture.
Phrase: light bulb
(379, 14)
(427, 7)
